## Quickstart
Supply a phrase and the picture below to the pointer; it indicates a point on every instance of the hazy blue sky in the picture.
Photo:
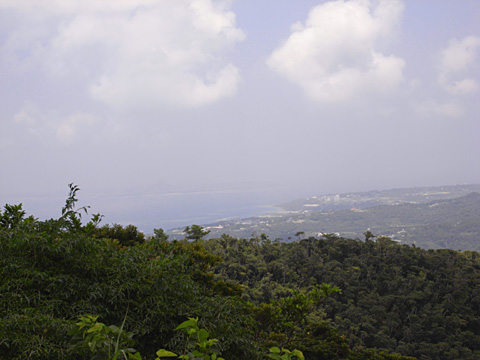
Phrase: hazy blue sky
(142, 97)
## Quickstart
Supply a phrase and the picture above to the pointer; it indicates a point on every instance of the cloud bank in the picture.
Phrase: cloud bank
(333, 56)
(456, 59)
(131, 54)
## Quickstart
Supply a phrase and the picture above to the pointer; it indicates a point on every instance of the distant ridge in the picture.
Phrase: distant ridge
(366, 199)
(429, 217)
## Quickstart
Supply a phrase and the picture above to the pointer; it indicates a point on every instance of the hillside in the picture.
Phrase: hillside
(416, 302)
(365, 199)
(445, 223)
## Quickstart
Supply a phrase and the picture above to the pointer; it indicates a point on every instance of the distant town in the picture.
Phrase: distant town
(398, 214)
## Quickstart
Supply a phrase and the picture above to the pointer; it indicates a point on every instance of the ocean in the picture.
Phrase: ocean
(166, 210)
(173, 210)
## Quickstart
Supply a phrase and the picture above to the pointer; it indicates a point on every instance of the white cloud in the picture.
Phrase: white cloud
(23, 117)
(455, 61)
(67, 129)
(462, 87)
(431, 108)
(450, 110)
(27, 118)
(131, 54)
(333, 55)
(54, 126)
(459, 54)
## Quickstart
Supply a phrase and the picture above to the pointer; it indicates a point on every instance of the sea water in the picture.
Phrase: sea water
(174, 210)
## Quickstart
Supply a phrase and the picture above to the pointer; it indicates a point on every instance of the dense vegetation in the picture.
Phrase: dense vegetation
(422, 303)
(63, 282)
(54, 271)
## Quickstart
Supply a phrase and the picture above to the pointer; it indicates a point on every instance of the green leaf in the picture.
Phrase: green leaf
(92, 345)
(165, 353)
(202, 335)
(97, 327)
(115, 328)
(135, 356)
(275, 350)
(274, 356)
(298, 354)
(190, 322)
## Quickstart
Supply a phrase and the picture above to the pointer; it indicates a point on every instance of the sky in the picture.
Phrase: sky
(147, 103)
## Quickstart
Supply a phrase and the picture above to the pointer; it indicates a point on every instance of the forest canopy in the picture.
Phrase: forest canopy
(327, 298)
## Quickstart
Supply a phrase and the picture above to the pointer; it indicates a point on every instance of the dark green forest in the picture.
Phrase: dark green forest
(416, 302)
(81, 290)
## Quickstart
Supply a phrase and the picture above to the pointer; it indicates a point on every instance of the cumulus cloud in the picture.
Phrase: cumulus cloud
(67, 129)
(462, 87)
(432, 108)
(334, 55)
(63, 128)
(27, 118)
(23, 117)
(459, 54)
(133, 53)
(455, 61)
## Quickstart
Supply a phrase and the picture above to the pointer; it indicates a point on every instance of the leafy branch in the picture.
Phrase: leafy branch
(198, 345)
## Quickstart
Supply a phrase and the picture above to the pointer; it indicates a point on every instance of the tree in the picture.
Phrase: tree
(12, 216)
(299, 234)
(159, 234)
(368, 236)
(195, 232)
(70, 216)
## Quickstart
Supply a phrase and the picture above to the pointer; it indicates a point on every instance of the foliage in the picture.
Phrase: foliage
(198, 345)
(104, 342)
(108, 342)
(54, 271)
(285, 321)
(12, 216)
(160, 235)
(422, 303)
(71, 218)
(285, 354)
(124, 236)
(195, 232)
(396, 301)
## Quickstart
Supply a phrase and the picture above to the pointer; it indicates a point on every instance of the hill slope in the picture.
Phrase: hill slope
(449, 223)
(416, 302)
